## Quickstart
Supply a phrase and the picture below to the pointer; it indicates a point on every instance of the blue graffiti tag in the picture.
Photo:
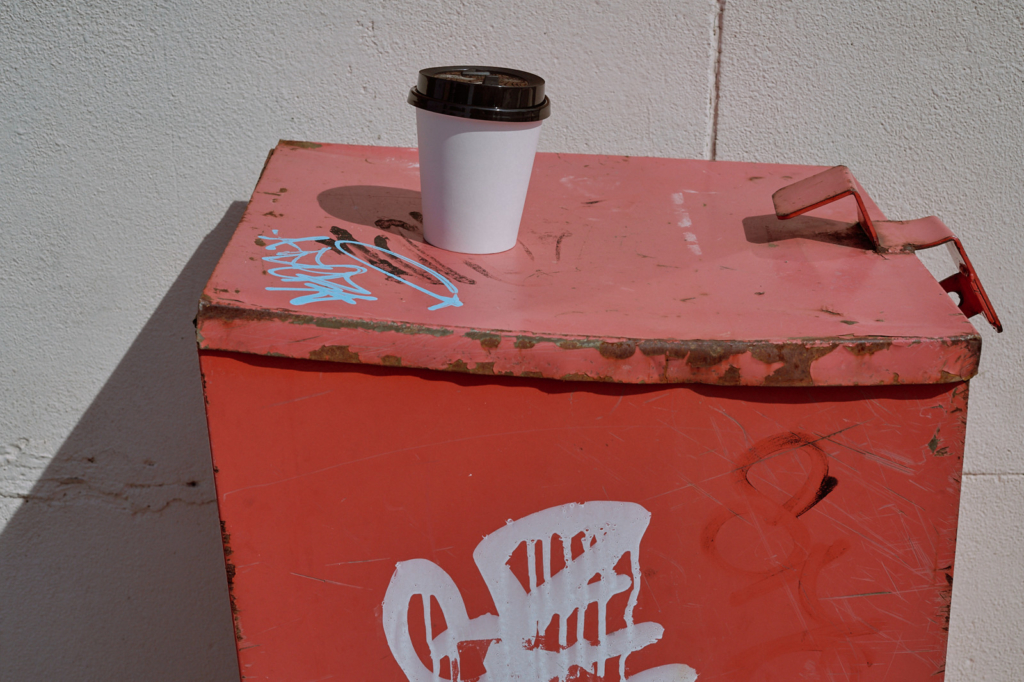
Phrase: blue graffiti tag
(333, 281)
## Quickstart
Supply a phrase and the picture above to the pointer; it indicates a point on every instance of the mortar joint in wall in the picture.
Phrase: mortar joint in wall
(715, 78)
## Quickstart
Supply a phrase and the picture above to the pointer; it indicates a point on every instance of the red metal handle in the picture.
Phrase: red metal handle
(890, 236)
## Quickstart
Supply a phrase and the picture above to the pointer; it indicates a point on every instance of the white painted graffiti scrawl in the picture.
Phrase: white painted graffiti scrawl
(590, 539)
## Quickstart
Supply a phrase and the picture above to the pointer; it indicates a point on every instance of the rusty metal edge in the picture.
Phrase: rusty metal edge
(224, 313)
(703, 358)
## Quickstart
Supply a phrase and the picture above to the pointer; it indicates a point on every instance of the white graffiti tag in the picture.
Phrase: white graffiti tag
(594, 537)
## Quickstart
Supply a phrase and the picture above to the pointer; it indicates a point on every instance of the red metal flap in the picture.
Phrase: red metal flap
(628, 269)
(820, 189)
(890, 236)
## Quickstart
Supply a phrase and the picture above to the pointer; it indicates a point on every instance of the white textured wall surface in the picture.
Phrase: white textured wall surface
(131, 135)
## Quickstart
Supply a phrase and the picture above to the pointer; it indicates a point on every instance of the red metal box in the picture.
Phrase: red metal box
(666, 435)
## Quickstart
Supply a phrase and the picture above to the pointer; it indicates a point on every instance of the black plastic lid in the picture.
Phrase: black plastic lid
(487, 93)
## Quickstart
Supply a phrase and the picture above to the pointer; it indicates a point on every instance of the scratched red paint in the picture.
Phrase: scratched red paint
(787, 405)
(329, 474)
(641, 251)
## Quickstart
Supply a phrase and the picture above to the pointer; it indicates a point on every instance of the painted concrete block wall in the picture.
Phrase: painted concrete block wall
(132, 135)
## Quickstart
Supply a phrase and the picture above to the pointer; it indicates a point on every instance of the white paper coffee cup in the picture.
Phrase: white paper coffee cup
(478, 129)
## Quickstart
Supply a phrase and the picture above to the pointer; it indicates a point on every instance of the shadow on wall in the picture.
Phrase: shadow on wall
(112, 569)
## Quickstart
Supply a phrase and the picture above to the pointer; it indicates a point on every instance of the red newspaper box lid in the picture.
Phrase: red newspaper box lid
(638, 270)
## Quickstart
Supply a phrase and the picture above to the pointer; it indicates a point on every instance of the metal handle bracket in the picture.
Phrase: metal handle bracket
(890, 236)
